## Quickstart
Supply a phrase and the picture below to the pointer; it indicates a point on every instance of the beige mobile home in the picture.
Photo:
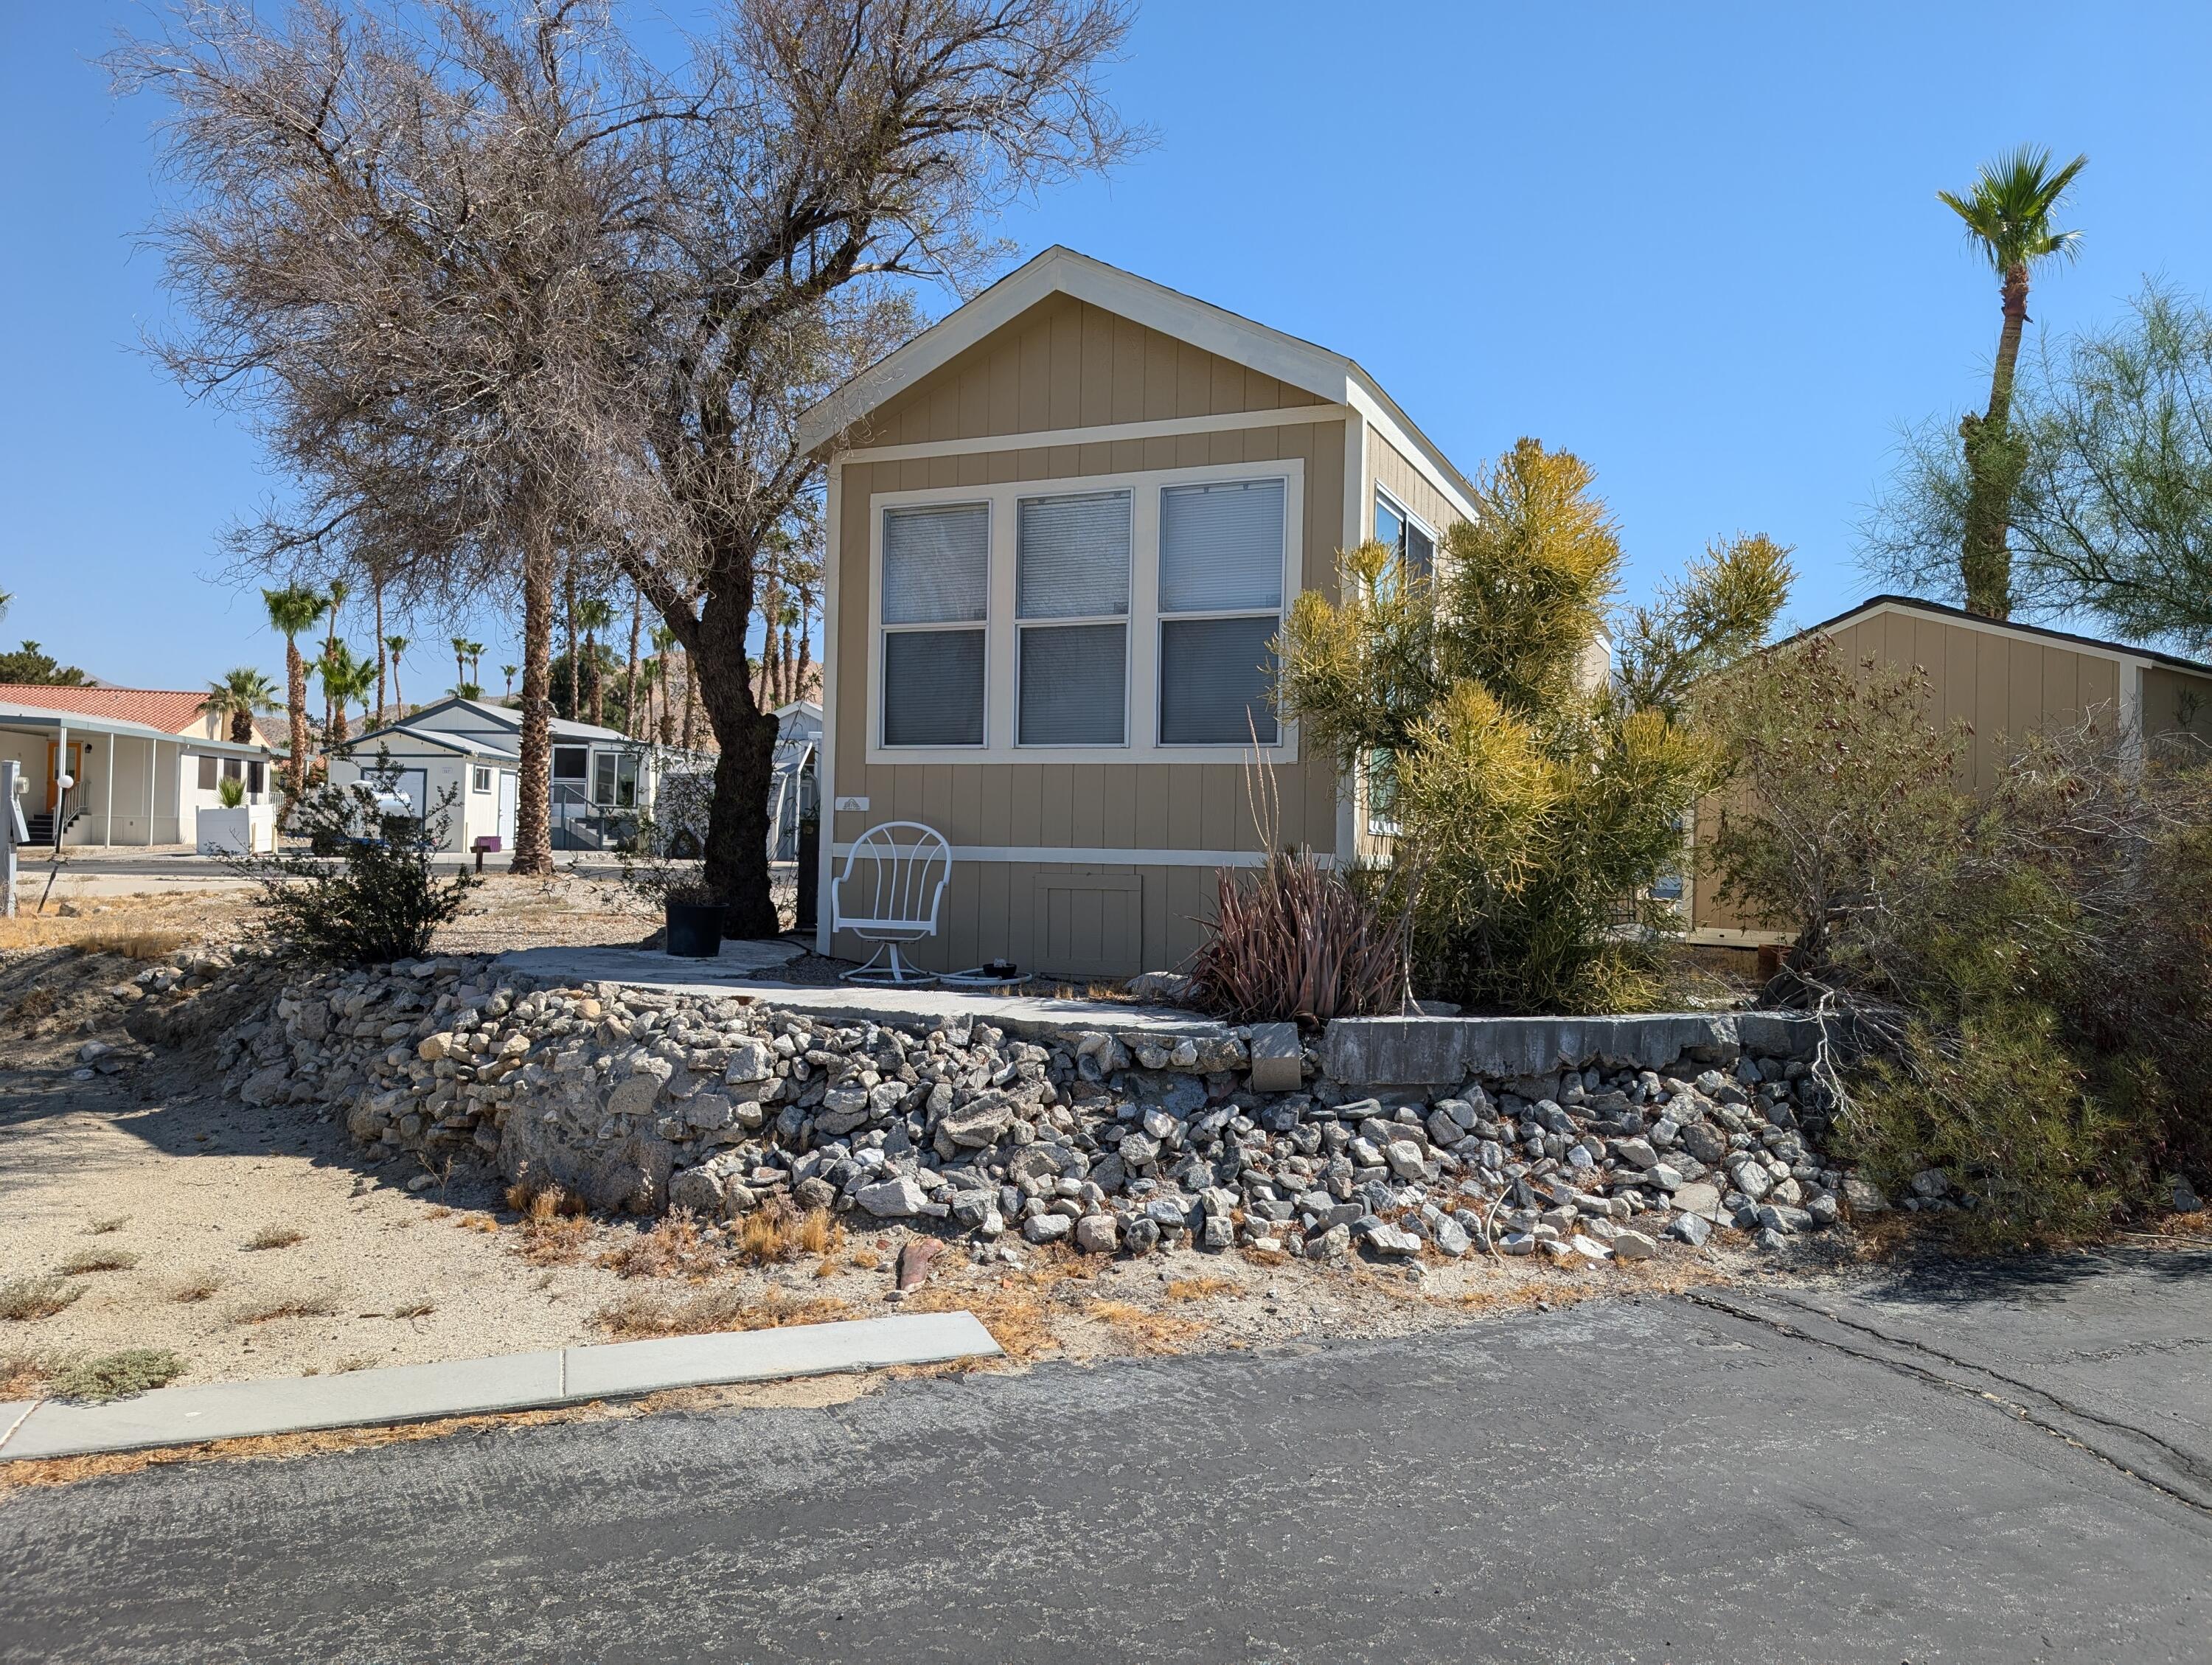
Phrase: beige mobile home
(1064, 525)
(2007, 681)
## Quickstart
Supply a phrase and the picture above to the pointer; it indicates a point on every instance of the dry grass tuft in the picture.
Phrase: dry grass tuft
(99, 1260)
(22, 1376)
(351, 1363)
(414, 1310)
(674, 1247)
(22, 1299)
(777, 1233)
(131, 945)
(1148, 1331)
(643, 1313)
(477, 1223)
(1017, 1315)
(196, 1288)
(1266, 1256)
(288, 1306)
(553, 1241)
(275, 1237)
(1197, 1289)
(101, 1228)
(867, 1258)
(541, 1204)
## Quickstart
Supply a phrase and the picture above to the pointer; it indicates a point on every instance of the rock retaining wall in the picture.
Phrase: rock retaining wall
(641, 1101)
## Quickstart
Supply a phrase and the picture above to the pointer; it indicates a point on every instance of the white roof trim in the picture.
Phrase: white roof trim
(1062, 271)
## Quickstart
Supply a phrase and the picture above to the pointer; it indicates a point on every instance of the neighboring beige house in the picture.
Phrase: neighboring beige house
(146, 761)
(2006, 680)
(1064, 524)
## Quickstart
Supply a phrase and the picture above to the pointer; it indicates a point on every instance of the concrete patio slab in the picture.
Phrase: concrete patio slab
(627, 1369)
(514, 1382)
(1030, 1015)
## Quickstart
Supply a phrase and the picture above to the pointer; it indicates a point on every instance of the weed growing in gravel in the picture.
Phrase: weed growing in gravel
(132, 945)
(99, 1260)
(1197, 1289)
(22, 1376)
(673, 1246)
(414, 1310)
(351, 1363)
(289, 1306)
(1149, 1332)
(275, 1237)
(24, 1298)
(117, 1375)
(194, 1289)
(101, 1228)
(643, 1313)
(774, 1234)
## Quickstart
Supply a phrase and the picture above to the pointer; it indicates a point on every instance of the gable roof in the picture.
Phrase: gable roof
(1062, 271)
(443, 739)
(508, 717)
(173, 711)
(1874, 604)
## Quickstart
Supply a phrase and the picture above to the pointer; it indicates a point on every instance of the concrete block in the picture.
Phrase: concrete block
(1275, 1058)
(1408, 1052)
(622, 1368)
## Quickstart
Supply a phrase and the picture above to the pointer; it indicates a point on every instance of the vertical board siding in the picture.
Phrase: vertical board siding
(1395, 473)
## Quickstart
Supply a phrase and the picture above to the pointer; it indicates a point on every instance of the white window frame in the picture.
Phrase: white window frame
(1383, 495)
(1126, 618)
(995, 505)
(479, 778)
(1001, 646)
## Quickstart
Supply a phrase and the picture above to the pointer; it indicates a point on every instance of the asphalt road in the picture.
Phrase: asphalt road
(2014, 1467)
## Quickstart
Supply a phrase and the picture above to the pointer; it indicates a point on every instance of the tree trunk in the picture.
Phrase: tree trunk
(806, 655)
(599, 684)
(1994, 462)
(380, 652)
(242, 728)
(690, 704)
(629, 687)
(736, 833)
(296, 701)
(533, 833)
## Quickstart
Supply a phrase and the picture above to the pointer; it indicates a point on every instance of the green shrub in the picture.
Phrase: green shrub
(230, 792)
(116, 1374)
(366, 891)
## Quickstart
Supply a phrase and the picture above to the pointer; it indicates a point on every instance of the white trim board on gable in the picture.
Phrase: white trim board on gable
(1062, 271)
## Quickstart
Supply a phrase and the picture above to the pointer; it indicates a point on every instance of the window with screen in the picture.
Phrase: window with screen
(1416, 548)
(936, 603)
(614, 779)
(1221, 607)
(1072, 617)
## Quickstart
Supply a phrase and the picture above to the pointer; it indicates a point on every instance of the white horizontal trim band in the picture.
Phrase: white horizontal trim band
(1169, 428)
(1092, 857)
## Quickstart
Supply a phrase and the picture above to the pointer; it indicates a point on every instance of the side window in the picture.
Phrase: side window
(257, 778)
(480, 780)
(1071, 612)
(208, 766)
(1220, 608)
(1416, 548)
(936, 606)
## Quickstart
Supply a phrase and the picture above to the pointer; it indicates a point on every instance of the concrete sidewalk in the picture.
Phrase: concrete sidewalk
(515, 1381)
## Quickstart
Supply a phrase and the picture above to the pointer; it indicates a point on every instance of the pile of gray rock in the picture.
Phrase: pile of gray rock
(641, 1102)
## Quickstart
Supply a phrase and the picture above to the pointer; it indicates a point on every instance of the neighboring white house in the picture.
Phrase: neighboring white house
(472, 749)
(790, 793)
(144, 763)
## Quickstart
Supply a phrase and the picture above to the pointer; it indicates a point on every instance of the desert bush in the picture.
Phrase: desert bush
(1300, 939)
(2026, 976)
(22, 1299)
(115, 1374)
(365, 892)
(1534, 801)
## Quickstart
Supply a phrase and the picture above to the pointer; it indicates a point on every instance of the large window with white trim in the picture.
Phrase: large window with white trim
(1071, 619)
(936, 605)
(1220, 608)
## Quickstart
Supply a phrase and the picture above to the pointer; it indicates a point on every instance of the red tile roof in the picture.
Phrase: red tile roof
(172, 711)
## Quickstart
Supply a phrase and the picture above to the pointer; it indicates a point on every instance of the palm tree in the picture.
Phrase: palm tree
(664, 642)
(395, 646)
(339, 590)
(344, 678)
(595, 616)
(508, 671)
(629, 687)
(460, 661)
(2007, 217)
(242, 695)
(475, 667)
(292, 611)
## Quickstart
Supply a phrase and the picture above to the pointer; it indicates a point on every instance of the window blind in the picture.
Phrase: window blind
(1216, 675)
(1074, 682)
(933, 688)
(936, 564)
(1072, 557)
(1221, 546)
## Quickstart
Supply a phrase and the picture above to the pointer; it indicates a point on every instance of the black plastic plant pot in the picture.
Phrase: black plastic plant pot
(694, 929)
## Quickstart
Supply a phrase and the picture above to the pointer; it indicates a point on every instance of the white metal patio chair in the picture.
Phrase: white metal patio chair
(896, 905)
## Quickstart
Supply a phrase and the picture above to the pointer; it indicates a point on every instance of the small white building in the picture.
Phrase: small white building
(142, 764)
(472, 749)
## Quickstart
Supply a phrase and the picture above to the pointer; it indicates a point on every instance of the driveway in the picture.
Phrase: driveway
(2012, 1466)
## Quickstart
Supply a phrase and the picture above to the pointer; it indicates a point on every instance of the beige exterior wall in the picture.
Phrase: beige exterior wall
(1066, 364)
(1394, 473)
(2175, 704)
(2005, 685)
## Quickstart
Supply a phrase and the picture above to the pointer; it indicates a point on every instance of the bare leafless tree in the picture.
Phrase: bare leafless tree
(497, 288)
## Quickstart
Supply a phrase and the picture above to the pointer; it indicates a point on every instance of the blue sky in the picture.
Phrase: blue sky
(1696, 243)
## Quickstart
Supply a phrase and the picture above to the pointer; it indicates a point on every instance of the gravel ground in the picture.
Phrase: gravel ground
(150, 1165)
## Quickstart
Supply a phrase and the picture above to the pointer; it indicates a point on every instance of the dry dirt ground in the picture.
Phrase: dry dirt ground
(148, 1211)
